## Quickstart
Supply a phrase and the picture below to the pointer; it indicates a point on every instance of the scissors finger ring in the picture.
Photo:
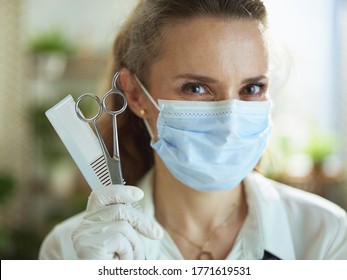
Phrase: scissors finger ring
(80, 114)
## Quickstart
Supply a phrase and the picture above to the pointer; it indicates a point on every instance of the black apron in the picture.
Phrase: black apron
(269, 256)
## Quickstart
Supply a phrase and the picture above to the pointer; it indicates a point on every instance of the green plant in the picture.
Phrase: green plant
(51, 41)
(320, 145)
(7, 184)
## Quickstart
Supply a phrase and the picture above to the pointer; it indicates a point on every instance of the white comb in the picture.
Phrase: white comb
(81, 142)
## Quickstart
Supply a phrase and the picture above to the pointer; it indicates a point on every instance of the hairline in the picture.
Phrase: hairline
(181, 20)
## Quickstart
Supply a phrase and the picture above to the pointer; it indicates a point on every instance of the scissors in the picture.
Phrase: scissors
(113, 163)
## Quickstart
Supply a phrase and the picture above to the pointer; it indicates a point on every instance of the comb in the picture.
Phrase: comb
(81, 142)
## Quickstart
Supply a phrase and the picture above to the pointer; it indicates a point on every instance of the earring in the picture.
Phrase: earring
(142, 112)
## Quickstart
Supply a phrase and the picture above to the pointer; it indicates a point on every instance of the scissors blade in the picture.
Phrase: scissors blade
(115, 170)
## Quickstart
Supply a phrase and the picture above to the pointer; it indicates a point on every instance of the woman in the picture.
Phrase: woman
(195, 74)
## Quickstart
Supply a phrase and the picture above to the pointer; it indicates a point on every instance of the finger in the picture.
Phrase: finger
(104, 234)
(113, 194)
(137, 219)
(119, 247)
(133, 238)
(102, 244)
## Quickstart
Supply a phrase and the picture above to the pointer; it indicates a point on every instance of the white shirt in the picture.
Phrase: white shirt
(287, 222)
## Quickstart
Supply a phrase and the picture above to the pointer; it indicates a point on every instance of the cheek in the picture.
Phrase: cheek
(152, 112)
(152, 117)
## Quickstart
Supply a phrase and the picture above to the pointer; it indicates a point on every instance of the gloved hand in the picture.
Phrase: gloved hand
(111, 227)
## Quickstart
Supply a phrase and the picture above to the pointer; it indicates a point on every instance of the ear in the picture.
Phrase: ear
(135, 97)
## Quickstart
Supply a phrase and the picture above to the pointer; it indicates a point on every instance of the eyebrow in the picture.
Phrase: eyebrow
(205, 79)
(254, 79)
(200, 78)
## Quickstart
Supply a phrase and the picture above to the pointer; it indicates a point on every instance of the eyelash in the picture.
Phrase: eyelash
(262, 90)
(186, 89)
(187, 86)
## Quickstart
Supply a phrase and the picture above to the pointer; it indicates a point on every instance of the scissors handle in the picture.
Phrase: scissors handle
(116, 91)
(114, 112)
(79, 112)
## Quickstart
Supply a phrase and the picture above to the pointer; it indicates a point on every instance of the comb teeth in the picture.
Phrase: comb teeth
(101, 171)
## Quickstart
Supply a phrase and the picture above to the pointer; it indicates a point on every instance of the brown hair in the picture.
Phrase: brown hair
(138, 45)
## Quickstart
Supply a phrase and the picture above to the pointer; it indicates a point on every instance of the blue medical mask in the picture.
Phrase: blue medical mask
(212, 146)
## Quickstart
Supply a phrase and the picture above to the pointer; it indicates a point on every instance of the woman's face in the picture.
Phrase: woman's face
(207, 59)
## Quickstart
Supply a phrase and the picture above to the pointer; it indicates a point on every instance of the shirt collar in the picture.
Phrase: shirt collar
(146, 184)
(266, 204)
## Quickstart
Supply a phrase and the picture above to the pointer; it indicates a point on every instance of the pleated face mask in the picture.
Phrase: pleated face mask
(212, 146)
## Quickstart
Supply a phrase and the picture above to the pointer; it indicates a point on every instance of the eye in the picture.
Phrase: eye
(253, 91)
(195, 88)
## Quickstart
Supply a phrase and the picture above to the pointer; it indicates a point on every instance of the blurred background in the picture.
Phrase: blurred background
(51, 48)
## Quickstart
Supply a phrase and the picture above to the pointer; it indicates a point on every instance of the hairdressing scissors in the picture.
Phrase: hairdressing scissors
(113, 163)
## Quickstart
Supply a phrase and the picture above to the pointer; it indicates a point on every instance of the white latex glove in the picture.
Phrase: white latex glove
(111, 228)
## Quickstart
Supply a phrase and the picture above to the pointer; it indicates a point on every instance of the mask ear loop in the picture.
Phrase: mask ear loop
(143, 112)
(148, 129)
(147, 93)
(144, 90)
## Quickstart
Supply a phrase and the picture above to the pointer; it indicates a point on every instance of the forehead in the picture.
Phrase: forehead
(213, 45)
